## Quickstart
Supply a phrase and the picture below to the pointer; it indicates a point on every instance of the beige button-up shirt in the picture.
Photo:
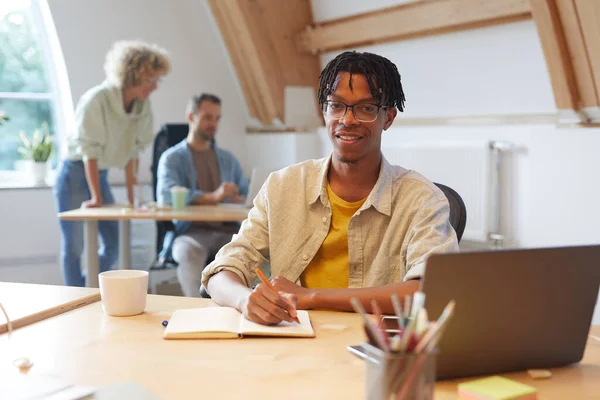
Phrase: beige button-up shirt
(403, 220)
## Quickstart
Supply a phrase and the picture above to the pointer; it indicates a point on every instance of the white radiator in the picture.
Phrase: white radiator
(469, 167)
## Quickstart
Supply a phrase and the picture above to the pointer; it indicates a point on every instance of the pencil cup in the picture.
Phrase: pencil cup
(399, 376)
(178, 197)
(123, 292)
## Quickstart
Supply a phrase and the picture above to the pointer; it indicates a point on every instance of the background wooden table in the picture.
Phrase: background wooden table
(91, 216)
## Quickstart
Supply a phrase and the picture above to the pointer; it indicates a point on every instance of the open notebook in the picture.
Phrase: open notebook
(227, 323)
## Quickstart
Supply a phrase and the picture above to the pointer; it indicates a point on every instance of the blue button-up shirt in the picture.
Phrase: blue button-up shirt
(176, 168)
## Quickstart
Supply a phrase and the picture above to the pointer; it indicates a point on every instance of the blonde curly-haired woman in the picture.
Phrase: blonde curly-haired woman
(113, 124)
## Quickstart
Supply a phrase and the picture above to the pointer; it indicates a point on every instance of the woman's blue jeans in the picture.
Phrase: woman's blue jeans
(71, 190)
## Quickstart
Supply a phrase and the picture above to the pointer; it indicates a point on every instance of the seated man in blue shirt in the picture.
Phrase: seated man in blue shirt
(212, 175)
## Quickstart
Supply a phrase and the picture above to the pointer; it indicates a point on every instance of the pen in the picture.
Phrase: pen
(407, 305)
(418, 302)
(442, 323)
(407, 335)
(370, 327)
(379, 317)
(264, 280)
(377, 312)
(422, 322)
(398, 311)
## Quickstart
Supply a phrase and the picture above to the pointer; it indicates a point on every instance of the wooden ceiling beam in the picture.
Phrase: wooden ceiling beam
(567, 30)
(578, 52)
(418, 19)
(259, 35)
(588, 12)
(228, 34)
(554, 45)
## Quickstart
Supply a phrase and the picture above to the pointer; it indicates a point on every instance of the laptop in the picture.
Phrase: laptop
(258, 177)
(515, 309)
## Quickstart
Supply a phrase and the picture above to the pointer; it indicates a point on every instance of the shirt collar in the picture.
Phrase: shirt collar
(381, 194)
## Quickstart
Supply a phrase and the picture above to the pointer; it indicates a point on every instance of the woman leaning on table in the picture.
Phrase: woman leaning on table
(113, 124)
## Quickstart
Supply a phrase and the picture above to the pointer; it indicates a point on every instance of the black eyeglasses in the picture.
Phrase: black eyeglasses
(363, 112)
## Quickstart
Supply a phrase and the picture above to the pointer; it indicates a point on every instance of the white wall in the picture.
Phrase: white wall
(324, 10)
(30, 242)
(546, 183)
(496, 70)
(273, 151)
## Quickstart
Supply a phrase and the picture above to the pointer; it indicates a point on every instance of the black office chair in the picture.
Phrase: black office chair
(458, 211)
(168, 136)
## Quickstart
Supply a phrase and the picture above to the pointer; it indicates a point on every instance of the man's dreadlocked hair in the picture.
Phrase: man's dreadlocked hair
(382, 76)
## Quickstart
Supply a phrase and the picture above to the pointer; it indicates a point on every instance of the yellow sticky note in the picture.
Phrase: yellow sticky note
(496, 388)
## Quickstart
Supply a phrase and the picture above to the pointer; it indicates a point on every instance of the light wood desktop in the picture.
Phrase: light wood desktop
(578, 381)
(90, 348)
(91, 216)
(28, 303)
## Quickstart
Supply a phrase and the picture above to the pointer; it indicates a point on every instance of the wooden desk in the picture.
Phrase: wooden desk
(89, 348)
(579, 381)
(27, 303)
(91, 216)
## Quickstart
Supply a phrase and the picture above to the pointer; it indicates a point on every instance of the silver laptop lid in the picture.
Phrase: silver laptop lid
(515, 310)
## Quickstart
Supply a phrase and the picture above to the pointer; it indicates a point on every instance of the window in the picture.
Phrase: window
(27, 93)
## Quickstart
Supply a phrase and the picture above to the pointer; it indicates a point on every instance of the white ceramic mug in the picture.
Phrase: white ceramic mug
(123, 292)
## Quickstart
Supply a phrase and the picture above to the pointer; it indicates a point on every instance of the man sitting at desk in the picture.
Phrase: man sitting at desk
(212, 175)
(349, 225)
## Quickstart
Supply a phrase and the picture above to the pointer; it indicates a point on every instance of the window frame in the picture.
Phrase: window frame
(59, 94)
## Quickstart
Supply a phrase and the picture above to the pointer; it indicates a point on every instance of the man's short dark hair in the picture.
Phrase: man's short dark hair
(382, 76)
(196, 101)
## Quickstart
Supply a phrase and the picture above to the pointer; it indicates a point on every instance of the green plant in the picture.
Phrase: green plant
(39, 148)
(3, 118)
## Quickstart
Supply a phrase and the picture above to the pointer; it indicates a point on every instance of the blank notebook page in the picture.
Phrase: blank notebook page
(304, 329)
(209, 319)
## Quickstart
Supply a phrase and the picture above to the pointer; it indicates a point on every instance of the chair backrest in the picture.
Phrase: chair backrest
(458, 211)
(168, 136)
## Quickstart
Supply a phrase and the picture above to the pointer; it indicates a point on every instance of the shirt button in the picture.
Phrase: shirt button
(324, 219)
(305, 257)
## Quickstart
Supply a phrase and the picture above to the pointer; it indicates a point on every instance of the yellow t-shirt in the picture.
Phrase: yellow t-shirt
(329, 268)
